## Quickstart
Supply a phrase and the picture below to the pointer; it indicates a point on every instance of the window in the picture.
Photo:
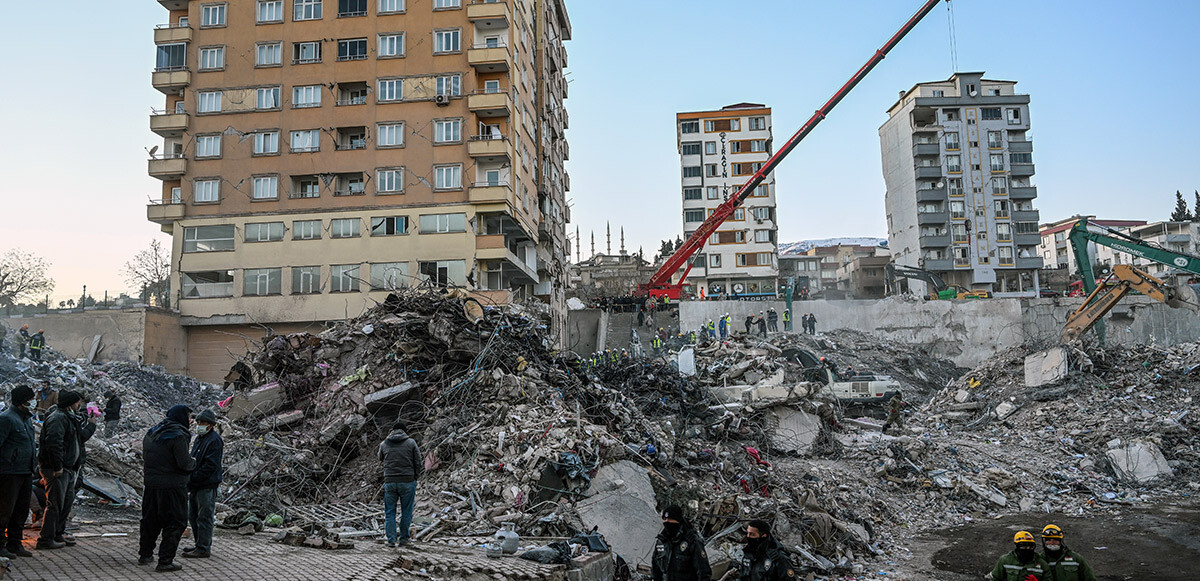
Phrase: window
(950, 114)
(710, 147)
(208, 238)
(348, 8)
(267, 98)
(444, 272)
(955, 186)
(939, 93)
(691, 171)
(758, 123)
(689, 127)
(344, 227)
(212, 15)
(762, 235)
(306, 96)
(306, 52)
(389, 90)
(171, 57)
(306, 10)
(727, 237)
(713, 125)
(391, 45)
(691, 148)
(208, 102)
(1020, 158)
(693, 215)
(491, 87)
(958, 209)
(446, 4)
(390, 135)
(389, 275)
(692, 194)
(710, 170)
(995, 140)
(443, 223)
(1003, 232)
(306, 140)
(758, 213)
(996, 162)
(446, 41)
(959, 232)
(306, 280)
(989, 113)
(264, 232)
(203, 285)
(212, 57)
(714, 193)
(952, 140)
(266, 187)
(447, 131)
(1014, 116)
(447, 177)
(343, 278)
(270, 11)
(1005, 254)
(738, 214)
(389, 181)
(305, 187)
(962, 256)
(749, 146)
(391, 6)
(208, 146)
(268, 54)
(389, 226)
(1001, 207)
(449, 85)
(1000, 186)
(354, 49)
(261, 281)
(266, 143)
(714, 261)
(206, 191)
(954, 163)
(306, 230)
(745, 169)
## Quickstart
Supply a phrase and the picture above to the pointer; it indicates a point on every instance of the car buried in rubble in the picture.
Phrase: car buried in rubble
(862, 394)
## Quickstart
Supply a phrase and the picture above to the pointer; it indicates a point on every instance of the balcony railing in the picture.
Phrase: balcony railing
(352, 101)
(304, 194)
(355, 144)
(207, 290)
(350, 192)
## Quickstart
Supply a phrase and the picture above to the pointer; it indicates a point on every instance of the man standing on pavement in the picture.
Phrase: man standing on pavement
(895, 415)
(207, 451)
(60, 454)
(112, 414)
(679, 551)
(164, 502)
(1022, 563)
(402, 465)
(18, 463)
(1064, 564)
(763, 559)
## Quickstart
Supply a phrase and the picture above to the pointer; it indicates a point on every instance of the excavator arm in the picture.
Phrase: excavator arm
(1081, 234)
(1104, 298)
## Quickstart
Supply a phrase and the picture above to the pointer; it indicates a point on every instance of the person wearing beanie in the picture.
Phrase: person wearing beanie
(164, 501)
(402, 466)
(679, 551)
(60, 456)
(17, 467)
(207, 451)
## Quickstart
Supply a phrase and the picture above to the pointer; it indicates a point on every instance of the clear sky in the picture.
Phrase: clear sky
(1113, 89)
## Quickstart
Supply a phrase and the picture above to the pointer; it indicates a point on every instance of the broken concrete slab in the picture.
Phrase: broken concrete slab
(686, 361)
(1005, 409)
(260, 401)
(1046, 367)
(280, 420)
(1139, 462)
(392, 397)
(795, 430)
(622, 505)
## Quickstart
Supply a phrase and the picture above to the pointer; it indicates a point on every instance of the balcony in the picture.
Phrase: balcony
(490, 105)
(924, 218)
(489, 15)
(1020, 146)
(168, 123)
(164, 214)
(566, 182)
(1033, 262)
(924, 149)
(928, 171)
(1025, 216)
(174, 4)
(935, 240)
(171, 81)
(487, 58)
(939, 264)
(164, 33)
(167, 166)
(1029, 239)
(491, 193)
(931, 195)
(1027, 193)
(487, 148)
(1179, 239)
(566, 151)
(1021, 169)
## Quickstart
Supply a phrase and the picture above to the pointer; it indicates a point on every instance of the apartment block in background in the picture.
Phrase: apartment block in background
(958, 168)
(719, 152)
(1056, 250)
(317, 154)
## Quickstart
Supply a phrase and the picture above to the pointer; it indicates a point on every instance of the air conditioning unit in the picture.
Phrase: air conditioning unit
(442, 100)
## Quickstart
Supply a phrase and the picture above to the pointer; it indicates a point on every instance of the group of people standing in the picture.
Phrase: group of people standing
(1055, 563)
(36, 343)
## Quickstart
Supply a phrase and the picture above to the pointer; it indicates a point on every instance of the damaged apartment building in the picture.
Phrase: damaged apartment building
(318, 153)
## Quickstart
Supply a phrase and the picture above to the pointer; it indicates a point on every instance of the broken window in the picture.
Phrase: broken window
(389, 226)
(343, 278)
(389, 275)
(207, 284)
(444, 272)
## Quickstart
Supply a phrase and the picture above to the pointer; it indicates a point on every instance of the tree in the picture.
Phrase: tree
(23, 274)
(150, 272)
(71, 303)
(1181, 213)
(1196, 207)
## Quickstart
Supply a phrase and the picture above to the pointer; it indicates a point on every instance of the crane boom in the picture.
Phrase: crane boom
(660, 282)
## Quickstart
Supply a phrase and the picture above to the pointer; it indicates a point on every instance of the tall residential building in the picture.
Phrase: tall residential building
(319, 153)
(719, 152)
(958, 170)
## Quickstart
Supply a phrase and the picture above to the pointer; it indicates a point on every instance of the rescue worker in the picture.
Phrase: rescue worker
(723, 326)
(36, 344)
(812, 324)
(662, 333)
(749, 323)
(692, 338)
(1023, 563)
(1064, 564)
(763, 559)
(895, 405)
(712, 329)
(787, 319)
(772, 320)
(762, 324)
(656, 344)
(679, 551)
(804, 323)
(23, 339)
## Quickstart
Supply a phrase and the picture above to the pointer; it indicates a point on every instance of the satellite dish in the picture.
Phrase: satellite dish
(153, 150)
(939, 185)
(974, 93)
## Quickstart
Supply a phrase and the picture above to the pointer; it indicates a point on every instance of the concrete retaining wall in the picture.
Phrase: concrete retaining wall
(136, 334)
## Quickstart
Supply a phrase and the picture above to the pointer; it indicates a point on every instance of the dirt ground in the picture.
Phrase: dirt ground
(1137, 544)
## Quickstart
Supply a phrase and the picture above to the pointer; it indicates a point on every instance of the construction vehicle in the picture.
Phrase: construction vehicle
(660, 283)
(1103, 299)
(860, 394)
(941, 290)
(1082, 233)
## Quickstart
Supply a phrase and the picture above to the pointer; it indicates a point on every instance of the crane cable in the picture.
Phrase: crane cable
(953, 38)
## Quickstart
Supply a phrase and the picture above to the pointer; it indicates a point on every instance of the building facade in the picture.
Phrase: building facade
(958, 168)
(1056, 248)
(318, 153)
(719, 151)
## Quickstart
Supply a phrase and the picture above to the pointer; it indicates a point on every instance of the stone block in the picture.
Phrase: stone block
(1046, 367)
(260, 401)
(391, 397)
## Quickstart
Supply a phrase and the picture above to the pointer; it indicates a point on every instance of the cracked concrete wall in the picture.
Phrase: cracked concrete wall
(1136, 319)
(71, 333)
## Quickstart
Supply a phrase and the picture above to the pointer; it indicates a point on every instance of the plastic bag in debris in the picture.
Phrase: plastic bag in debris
(241, 518)
(571, 465)
(593, 540)
(556, 553)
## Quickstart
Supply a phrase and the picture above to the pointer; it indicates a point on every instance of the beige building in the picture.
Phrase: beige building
(318, 153)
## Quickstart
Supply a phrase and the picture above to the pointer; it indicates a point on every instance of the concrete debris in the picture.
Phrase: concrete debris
(1046, 367)
(1139, 462)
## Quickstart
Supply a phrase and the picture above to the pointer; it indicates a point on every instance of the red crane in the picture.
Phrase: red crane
(660, 283)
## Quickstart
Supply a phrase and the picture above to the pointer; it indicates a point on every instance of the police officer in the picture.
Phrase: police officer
(763, 559)
(679, 551)
(1023, 562)
(1065, 564)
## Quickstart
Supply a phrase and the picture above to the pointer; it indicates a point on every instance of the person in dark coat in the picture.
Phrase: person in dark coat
(164, 502)
(679, 551)
(18, 463)
(749, 323)
(60, 456)
(23, 340)
(812, 324)
(207, 451)
(764, 559)
(36, 344)
(772, 320)
(112, 414)
(762, 324)
(402, 466)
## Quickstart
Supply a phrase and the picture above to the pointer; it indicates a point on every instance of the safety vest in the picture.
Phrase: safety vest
(787, 316)
(656, 343)
(711, 325)
(692, 336)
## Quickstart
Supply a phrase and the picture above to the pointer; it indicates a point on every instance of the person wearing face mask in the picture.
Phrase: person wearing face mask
(17, 466)
(1065, 564)
(60, 455)
(763, 559)
(207, 451)
(1023, 563)
(679, 551)
(164, 501)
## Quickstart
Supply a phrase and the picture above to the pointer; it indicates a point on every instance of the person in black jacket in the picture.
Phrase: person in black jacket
(402, 465)
(60, 455)
(164, 501)
(18, 463)
(763, 559)
(679, 551)
(112, 414)
(202, 485)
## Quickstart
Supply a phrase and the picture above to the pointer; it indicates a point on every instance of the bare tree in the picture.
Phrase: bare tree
(23, 275)
(149, 272)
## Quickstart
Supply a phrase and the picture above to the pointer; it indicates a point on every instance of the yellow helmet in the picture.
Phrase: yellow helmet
(1023, 537)
(1052, 532)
